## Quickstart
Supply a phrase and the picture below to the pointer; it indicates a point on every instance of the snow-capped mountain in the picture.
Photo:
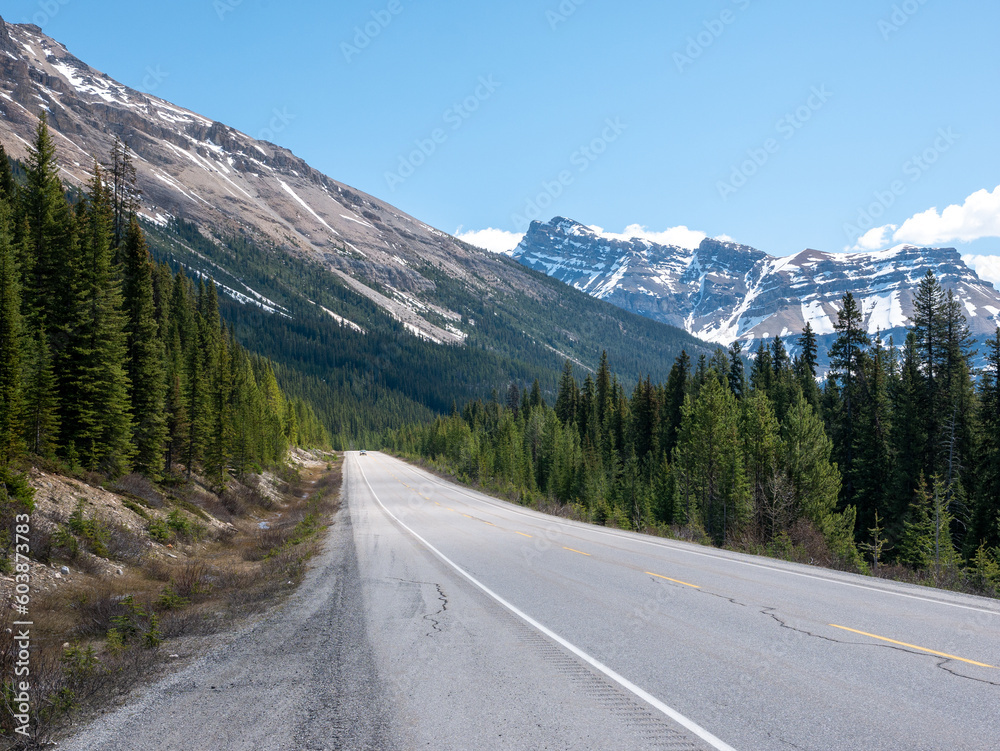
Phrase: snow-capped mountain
(724, 292)
(217, 177)
(371, 260)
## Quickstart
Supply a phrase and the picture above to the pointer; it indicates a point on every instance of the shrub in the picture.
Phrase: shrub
(158, 530)
(182, 526)
(170, 600)
(92, 531)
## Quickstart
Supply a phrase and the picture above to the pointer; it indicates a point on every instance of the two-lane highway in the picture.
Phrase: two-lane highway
(494, 626)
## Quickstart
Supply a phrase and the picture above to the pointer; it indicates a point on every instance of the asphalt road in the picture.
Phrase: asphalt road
(497, 627)
(441, 618)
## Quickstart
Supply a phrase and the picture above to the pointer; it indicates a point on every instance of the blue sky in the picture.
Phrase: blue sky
(781, 124)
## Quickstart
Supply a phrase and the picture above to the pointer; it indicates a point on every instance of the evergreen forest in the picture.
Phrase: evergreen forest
(892, 462)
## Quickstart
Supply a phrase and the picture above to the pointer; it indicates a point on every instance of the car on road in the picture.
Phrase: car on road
(364, 453)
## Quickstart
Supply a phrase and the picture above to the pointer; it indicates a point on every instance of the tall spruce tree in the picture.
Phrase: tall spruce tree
(94, 386)
(929, 330)
(50, 289)
(873, 459)
(847, 371)
(712, 488)
(145, 359)
(11, 335)
(985, 526)
(759, 431)
(806, 364)
(8, 187)
(41, 405)
(816, 479)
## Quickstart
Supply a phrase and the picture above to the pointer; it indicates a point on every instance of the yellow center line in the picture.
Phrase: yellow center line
(675, 581)
(572, 550)
(465, 515)
(436, 503)
(914, 646)
(521, 533)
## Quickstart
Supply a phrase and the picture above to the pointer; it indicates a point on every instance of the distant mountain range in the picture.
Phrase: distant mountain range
(723, 292)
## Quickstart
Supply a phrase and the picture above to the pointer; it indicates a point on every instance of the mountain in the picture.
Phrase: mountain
(351, 295)
(724, 292)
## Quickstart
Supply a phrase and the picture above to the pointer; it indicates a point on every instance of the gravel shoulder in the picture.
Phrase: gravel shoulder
(302, 677)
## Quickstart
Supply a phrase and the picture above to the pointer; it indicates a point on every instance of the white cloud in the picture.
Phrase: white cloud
(988, 267)
(493, 240)
(977, 218)
(875, 239)
(681, 237)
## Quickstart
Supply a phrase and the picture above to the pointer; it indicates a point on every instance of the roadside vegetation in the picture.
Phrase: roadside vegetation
(891, 467)
(137, 444)
(150, 572)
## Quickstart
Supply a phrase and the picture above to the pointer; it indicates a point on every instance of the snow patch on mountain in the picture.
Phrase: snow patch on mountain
(722, 291)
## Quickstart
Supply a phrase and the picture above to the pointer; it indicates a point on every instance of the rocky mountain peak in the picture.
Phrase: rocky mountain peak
(725, 291)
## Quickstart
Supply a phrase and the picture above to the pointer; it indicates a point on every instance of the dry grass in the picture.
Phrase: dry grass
(113, 625)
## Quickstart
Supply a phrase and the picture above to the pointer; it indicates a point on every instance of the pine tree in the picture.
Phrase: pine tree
(567, 397)
(11, 333)
(94, 385)
(909, 437)
(816, 479)
(986, 515)
(846, 370)
(145, 360)
(644, 428)
(806, 364)
(737, 370)
(761, 372)
(759, 431)
(219, 448)
(673, 401)
(49, 294)
(873, 459)
(41, 418)
(8, 187)
(711, 482)
(124, 192)
(926, 540)
(929, 330)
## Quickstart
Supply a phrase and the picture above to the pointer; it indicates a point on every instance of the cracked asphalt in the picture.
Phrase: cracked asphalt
(440, 618)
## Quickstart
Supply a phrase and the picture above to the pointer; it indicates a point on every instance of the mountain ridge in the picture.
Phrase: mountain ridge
(359, 302)
(724, 292)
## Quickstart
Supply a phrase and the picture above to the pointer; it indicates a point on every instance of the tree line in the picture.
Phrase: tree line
(110, 362)
(892, 458)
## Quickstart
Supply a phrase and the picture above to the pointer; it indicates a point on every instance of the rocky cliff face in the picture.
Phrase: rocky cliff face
(724, 292)
(206, 172)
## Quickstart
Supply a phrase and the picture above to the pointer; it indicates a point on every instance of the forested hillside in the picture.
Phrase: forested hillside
(365, 372)
(111, 363)
(895, 460)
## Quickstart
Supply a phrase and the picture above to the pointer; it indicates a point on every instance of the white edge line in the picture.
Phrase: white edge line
(538, 516)
(620, 680)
